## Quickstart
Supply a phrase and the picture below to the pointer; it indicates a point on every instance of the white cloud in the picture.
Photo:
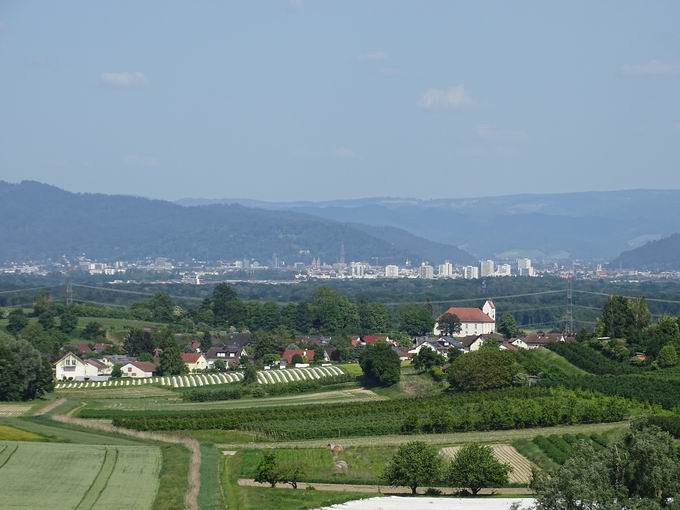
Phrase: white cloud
(487, 132)
(652, 68)
(123, 79)
(372, 56)
(344, 152)
(451, 98)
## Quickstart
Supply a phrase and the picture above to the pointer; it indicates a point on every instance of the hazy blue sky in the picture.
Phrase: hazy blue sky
(310, 99)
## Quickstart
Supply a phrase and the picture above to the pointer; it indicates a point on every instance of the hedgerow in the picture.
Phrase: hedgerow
(670, 424)
(651, 388)
(503, 409)
(232, 392)
(589, 359)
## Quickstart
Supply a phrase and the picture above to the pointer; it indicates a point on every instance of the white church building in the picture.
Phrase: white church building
(474, 321)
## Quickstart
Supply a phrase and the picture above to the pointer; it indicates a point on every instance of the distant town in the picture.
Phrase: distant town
(197, 272)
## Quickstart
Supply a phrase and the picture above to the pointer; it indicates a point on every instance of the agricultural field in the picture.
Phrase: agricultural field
(288, 375)
(507, 454)
(78, 476)
(173, 402)
(550, 452)
(8, 433)
(8, 409)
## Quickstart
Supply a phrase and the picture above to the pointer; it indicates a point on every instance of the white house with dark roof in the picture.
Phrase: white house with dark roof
(474, 321)
(138, 369)
(72, 368)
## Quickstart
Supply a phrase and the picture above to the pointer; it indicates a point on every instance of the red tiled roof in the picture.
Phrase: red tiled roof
(83, 348)
(371, 339)
(191, 357)
(468, 314)
(288, 354)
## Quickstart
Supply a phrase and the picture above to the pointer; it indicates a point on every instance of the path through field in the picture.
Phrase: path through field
(521, 467)
(490, 436)
(377, 489)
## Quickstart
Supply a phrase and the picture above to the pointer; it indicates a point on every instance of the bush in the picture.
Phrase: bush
(484, 370)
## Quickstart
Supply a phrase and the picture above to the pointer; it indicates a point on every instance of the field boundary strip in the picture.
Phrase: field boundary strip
(280, 376)
(6, 454)
(98, 485)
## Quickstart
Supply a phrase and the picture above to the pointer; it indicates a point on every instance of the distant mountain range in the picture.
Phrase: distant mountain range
(661, 255)
(39, 221)
(588, 225)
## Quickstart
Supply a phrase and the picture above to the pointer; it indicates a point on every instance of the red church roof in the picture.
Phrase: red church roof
(468, 314)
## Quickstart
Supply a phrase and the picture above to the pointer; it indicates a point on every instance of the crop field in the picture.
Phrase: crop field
(505, 453)
(63, 476)
(196, 380)
(550, 452)
(8, 433)
(503, 409)
(170, 404)
(10, 410)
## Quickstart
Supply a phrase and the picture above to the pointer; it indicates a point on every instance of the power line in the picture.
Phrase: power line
(28, 289)
(483, 298)
(136, 292)
(655, 300)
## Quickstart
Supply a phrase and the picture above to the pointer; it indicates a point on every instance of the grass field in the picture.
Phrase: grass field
(412, 384)
(172, 483)
(9, 409)
(56, 431)
(491, 436)
(8, 433)
(558, 362)
(78, 476)
(174, 403)
(251, 498)
(521, 466)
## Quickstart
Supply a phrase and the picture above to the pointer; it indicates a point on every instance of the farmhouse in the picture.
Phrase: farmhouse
(138, 369)
(438, 344)
(474, 321)
(539, 339)
(195, 361)
(71, 368)
(230, 354)
(472, 343)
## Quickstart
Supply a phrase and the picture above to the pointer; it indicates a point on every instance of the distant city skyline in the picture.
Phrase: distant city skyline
(314, 100)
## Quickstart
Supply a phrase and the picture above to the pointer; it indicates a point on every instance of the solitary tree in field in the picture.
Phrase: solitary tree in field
(250, 373)
(268, 470)
(414, 464)
(171, 361)
(449, 324)
(380, 364)
(475, 467)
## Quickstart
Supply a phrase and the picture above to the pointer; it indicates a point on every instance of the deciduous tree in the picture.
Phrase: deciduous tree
(380, 364)
(414, 465)
(475, 467)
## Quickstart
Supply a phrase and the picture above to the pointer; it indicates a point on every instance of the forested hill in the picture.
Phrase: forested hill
(663, 255)
(40, 221)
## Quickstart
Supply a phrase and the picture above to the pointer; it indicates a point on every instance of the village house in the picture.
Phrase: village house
(71, 368)
(539, 339)
(195, 361)
(439, 344)
(472, 343)
(230, 354)
(474, 321)
(370, 340)
(138, 369)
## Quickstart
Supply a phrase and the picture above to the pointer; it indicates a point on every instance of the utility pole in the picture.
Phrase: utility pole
(570, 303)
(69, 291)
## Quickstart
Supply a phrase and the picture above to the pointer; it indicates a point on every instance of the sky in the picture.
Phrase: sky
(316, 100)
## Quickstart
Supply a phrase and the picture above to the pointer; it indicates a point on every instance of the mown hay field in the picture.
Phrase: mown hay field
(8, 410)
(64, 476)
(521, 467)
